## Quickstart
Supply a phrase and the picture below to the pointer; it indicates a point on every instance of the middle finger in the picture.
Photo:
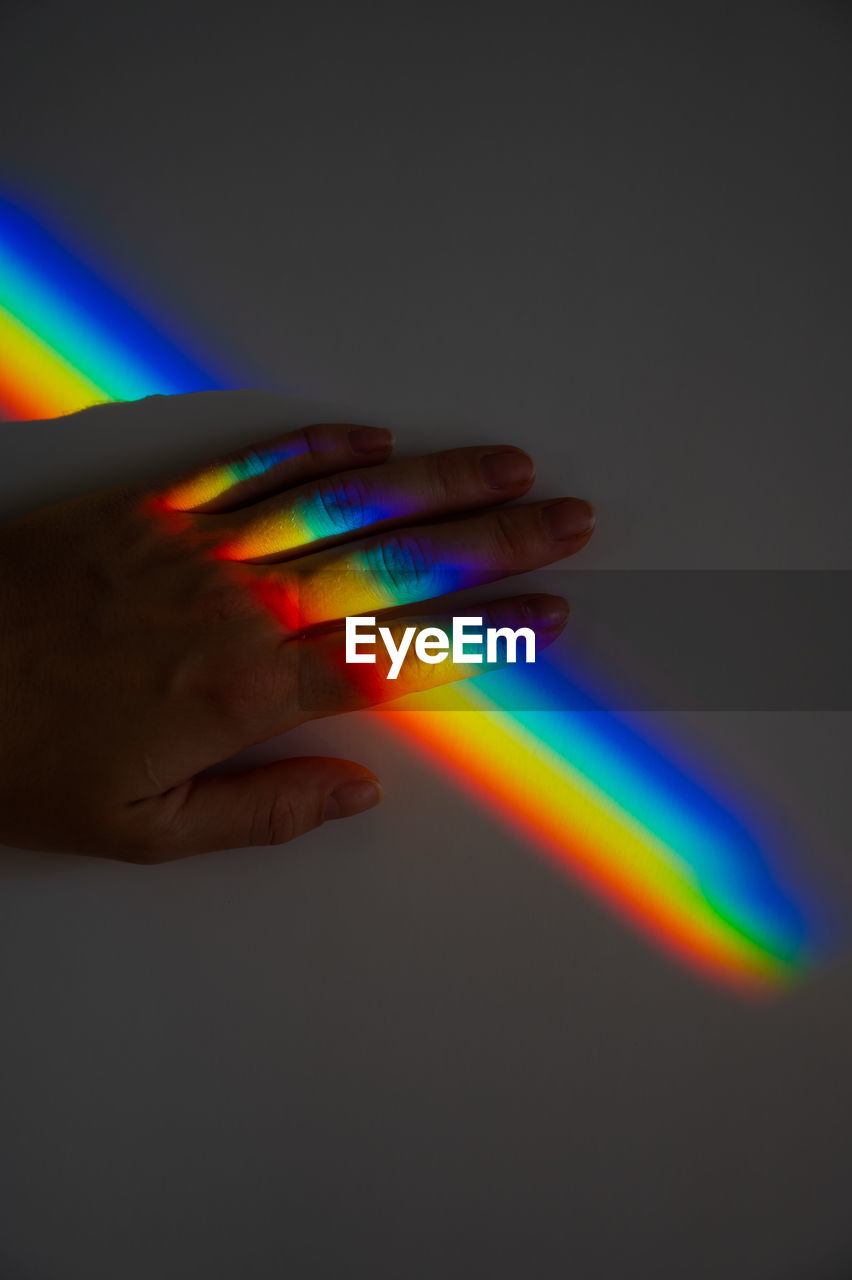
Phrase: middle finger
(419, 563)
(337, 507)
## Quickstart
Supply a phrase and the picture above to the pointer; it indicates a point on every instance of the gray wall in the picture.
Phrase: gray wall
(615, 233)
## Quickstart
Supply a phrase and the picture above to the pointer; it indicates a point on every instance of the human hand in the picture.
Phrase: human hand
(145, 637)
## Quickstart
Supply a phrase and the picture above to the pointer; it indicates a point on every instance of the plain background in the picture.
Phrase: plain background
(617, 234)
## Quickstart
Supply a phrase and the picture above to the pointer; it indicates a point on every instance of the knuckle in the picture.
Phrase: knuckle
(275, 821)
(313, 441)
(400, 564)
(444, 474)
(507, 534)
(344, 503)
(247, 465)
(154, 830)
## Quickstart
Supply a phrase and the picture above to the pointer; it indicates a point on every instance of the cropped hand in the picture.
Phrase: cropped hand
(145, 637)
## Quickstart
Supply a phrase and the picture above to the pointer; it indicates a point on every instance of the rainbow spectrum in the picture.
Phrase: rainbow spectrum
(66, 339)
(579, 785)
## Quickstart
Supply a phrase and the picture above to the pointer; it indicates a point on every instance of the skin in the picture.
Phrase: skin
(144, 638)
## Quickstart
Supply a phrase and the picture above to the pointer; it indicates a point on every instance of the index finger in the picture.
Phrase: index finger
(247, 475)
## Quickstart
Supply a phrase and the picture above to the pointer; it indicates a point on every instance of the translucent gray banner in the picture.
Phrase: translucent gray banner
(673, 640)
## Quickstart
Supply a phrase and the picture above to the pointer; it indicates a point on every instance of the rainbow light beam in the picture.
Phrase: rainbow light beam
(213, 481)
(609, 807)
(582, 787)
(67, 340)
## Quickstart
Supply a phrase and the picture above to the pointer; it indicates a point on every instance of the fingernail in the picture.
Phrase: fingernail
(568, 518)
(547, 612)
(370, 439)
(351, 798)
(506, 468)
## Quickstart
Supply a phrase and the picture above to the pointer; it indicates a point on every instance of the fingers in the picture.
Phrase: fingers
(334, 508)
(251, 474)
(270, 805)
(422, 562)
(328, 684)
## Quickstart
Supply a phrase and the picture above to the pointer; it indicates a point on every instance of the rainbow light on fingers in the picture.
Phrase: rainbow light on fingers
(353, 582)
(211, 483)
(329, 511)
(599, 800)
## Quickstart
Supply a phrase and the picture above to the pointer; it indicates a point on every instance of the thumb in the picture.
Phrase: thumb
(269, 805)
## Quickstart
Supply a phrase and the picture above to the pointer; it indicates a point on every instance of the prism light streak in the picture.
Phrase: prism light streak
(603, 803)
(606, 806)
(35, 380)
(358, 581)
(69, 341)
(198, 490)
(328, 512)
